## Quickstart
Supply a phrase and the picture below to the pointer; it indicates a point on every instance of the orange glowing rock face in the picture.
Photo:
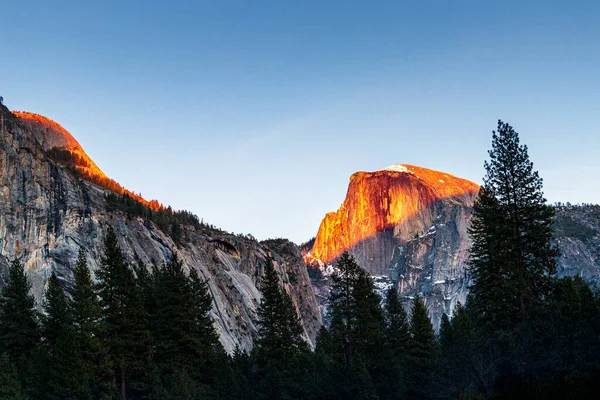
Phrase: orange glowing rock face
(51, 135)
(382, 200)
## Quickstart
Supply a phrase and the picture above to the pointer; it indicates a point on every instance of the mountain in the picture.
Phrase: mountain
(54, 199)
(386, 208)
(407, 226)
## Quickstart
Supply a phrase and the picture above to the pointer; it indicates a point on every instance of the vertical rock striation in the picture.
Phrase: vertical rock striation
(408, 227)
(47, 213)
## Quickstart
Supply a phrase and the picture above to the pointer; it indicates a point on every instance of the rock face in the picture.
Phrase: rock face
(409, 225)
(47, 212)
(577, 233)
(385, 208)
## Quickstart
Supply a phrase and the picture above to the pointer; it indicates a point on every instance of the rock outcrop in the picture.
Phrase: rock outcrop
(408, 226)
(48, 211)
(386, 208)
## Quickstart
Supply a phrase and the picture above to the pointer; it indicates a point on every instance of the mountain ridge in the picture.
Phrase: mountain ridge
(386, 199)
(50, 209)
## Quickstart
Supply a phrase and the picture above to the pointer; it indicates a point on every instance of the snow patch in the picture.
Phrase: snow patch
(397, 168)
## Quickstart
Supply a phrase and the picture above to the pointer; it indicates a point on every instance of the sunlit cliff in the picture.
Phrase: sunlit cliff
(397, 200)
(56, 139)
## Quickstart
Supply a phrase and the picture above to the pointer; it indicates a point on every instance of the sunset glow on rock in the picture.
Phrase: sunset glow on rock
(382, 200)
(52, 135)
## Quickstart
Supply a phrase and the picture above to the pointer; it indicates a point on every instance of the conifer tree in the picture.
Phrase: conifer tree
(62, 373)
(513, 261)
(10, 385)
(279, 344)
(87, 318)
(465, 359)
(357, 327)
(279, 329)
(125, 329)
(397, 335)
(513, 258)
(19, 332)
(446, 334)
(421, 353)
(175, 332)
(202, 307)
(397, 325)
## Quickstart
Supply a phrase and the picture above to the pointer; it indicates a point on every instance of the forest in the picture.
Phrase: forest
(144, 332)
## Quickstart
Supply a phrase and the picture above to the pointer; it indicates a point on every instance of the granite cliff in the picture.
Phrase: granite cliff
(53, 199)
(408, 226)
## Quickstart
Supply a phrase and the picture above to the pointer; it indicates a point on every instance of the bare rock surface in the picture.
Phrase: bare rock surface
(47, 213)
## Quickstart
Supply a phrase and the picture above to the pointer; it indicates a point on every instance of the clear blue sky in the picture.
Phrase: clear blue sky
(254, 114)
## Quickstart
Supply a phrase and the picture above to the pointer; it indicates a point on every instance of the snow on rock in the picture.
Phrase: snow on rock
(397, 168)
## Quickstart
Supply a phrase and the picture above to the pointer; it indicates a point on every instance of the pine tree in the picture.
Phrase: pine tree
(279, 345)
(357, 327)
(397, 339)
(202, 307)
(513, 263)
(87, 316)
(421, 352)
(63, 363)
(397, 325)
(466, 359)
(216, 368)
(279, 329)
(446, 334)
(19, 332)
(513, 258)
(125, 330)
(175, 329)
(10, 385)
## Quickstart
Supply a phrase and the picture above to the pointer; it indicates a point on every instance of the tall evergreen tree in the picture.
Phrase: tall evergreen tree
(513, 258)
(513, 262)
(126, 330)
(62, 375)
(397, 335)
(421, 353)
(446, 334)
(202, 307)
(279, 344)
(397, 327)
(357, 327)
(87, 318)
(279, 329)
(216, 367)
(19, 332)
(10, 385)
(176, 332)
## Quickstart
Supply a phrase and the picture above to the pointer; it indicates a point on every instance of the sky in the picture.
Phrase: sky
(254, 114)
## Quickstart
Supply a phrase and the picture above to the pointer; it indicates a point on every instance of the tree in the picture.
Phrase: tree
(513, 258)
(87, 319)
(397, 327)
(19, 332)
(125, 329)
(61, 351)
(357, 327)
(279, 345)
(10, 386)
(513, 263)
(279, 329)
(446, 334)
(421, 352)
(397, 339)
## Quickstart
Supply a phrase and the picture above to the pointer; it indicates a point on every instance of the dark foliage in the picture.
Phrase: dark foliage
(19, 331)
(147, 334)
